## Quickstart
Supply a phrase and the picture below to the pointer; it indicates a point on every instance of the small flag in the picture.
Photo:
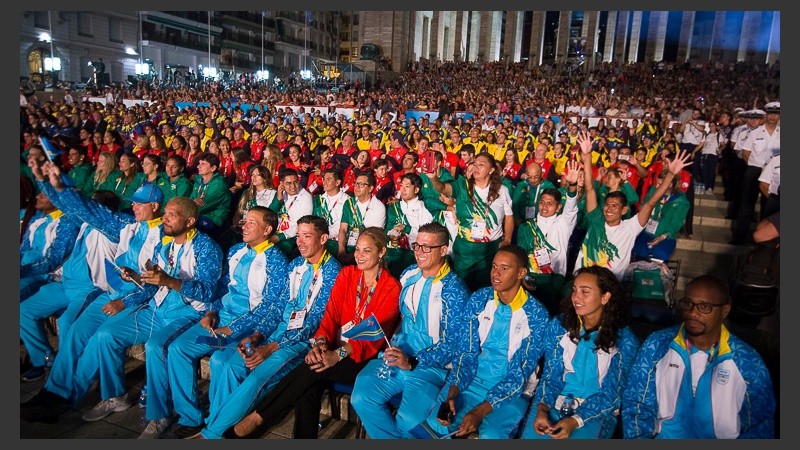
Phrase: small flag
(112, 277)
(50, 149)
(368, 329)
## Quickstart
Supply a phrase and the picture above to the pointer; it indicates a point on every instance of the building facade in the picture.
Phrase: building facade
(232, 42)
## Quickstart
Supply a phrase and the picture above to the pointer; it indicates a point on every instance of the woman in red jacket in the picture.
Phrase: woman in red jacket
(359, 291)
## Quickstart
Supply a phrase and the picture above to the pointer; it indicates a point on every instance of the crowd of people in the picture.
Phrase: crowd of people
(490, 250)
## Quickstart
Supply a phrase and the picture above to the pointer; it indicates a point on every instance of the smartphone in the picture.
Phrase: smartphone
(557, 430)
(624, 157)
(149, 265)
(427, 161)
(130, 273)
(445, 413)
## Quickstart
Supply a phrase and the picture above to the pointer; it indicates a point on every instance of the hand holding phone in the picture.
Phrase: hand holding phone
(445, 413)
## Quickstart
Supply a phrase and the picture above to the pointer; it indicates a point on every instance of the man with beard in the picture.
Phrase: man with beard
(696, 380)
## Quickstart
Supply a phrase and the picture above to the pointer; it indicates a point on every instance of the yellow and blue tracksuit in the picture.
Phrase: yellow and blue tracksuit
(733, 398)
(153, 316)
(234, 390)
(595, 377)
(251, 285)
(505, 343)
(137, 243)
(432, 330)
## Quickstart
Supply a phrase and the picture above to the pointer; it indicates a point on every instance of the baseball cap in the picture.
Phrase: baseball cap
(147, 193)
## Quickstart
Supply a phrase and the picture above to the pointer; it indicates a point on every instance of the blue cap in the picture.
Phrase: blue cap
(147, 193)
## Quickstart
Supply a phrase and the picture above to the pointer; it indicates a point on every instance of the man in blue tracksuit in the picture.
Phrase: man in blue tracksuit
(431, 335)
(281, 340)
(46, 244)
(696, 380)
(484, 390)
(185, 273)
(137, 239)
(81, 273)
(252, 283)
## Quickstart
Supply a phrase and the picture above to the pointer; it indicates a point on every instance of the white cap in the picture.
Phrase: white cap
(773, 108)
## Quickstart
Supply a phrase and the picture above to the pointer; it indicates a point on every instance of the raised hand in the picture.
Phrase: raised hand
(573, 170)
(585, 141)
(680, 162)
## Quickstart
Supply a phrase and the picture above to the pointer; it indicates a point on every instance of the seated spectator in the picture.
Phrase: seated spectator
(714, 385)
(589, 349)
(359, 292)
(296, 202)
(281, 341)
(211, 195)
(360, 211)
(505, 339)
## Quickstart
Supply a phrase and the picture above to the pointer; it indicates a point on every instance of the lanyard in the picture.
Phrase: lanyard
(359, 218)
(327, 210)
(325, 257)
(363, 306)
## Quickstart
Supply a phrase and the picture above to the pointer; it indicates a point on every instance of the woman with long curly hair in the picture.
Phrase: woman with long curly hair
(484, 217)
(273, 161)
(589, 350)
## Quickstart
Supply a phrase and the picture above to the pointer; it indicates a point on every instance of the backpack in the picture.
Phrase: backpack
(760, 265)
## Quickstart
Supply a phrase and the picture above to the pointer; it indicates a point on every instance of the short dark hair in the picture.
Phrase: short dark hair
(210, 158)
(287, 171)
(370, 176)
(519, 254)
(337, 174)
(618, 195)
(553, 192)
(270, 217)
(714, 283)
(413, 178)
(441, 232)
(320, 225)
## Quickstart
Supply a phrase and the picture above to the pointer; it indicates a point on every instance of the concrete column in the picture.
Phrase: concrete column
(685, 38)
(460, 36)
(474, 36)
(774, 48)
(621, 36)
(537, 39)
(512, 42)
(489, 47)
(656, 35)
(591, 30)
(611, 37)
(636, 31)
(562, 37)
(437, 37)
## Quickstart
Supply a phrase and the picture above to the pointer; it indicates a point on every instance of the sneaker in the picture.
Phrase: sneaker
(106, 407)
(709, 192)
(183, 431)
(154, 428)
(34, 373)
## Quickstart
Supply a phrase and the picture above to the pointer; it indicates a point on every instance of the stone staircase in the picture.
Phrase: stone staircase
(708, 250)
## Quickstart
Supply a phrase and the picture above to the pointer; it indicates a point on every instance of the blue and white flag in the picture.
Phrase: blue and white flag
(368, 329)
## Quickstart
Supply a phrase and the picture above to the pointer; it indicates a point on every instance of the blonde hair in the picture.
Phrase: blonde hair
(105, 166)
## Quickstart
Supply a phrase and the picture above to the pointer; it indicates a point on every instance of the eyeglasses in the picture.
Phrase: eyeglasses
(705, 308)
(425, 248)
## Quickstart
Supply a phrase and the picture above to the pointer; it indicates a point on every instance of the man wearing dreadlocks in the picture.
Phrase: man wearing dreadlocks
(609, 239)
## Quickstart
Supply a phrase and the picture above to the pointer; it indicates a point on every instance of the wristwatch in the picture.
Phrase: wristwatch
(342, 353)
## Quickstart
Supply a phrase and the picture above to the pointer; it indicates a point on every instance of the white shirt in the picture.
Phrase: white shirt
(622, 236)
(373, 211)
(296, 206)
(762, 145)
(557, 230)
(711, 144)
(772, 174)
(416, 214)
(335, 204)
(501, 207)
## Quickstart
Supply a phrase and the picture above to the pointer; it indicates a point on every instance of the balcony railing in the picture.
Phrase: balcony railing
(178, 41)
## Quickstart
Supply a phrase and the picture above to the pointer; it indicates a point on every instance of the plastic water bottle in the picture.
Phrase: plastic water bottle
(567, 406)
(143, 405)
(143, 397)
(386, 371)
(248, 349)
(48, 359)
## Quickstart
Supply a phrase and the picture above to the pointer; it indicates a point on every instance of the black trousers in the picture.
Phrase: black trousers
(747, 207)
(302, 390)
